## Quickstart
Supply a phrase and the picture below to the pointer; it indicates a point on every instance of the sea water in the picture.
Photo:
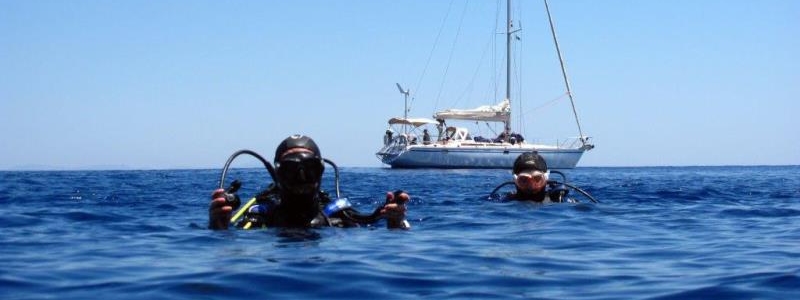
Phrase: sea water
(657, 233)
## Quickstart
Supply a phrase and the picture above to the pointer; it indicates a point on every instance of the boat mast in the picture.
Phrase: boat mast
(564, 73)
(507, 128)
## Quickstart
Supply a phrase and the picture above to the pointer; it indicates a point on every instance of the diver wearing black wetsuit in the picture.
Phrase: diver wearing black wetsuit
(530, 178)
(296, 199)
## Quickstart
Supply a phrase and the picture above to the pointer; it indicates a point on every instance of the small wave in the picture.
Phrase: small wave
(786, 282)
(764, 212)
(712, 292)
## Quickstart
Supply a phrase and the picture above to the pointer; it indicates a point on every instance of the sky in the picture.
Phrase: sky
(184, 84)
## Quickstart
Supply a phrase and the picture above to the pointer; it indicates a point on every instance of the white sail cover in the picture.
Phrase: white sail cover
(493, 113)
(416, 122)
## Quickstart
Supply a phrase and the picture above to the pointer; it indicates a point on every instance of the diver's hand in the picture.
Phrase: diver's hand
(394, 210)
(219, 211)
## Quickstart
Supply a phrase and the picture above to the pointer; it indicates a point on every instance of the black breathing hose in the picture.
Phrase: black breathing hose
(336, 175)
(579, 190)
(271, 169)
(267, 165)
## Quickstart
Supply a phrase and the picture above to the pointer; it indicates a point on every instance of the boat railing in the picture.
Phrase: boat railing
(571, 143)
(566, 143)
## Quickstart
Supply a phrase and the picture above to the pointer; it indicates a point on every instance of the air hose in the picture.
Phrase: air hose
(230, 192)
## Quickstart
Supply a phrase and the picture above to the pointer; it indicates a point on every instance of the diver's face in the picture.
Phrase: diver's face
(530, 181)
(299, 171)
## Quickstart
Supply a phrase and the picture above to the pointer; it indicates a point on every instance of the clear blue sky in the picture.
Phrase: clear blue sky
(183, 84)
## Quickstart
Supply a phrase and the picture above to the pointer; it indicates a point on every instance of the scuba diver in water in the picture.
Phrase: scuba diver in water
(296, 200)
(531, 179)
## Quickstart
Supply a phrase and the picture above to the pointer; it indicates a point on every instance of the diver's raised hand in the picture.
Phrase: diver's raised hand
(394, 210)
(219, 211)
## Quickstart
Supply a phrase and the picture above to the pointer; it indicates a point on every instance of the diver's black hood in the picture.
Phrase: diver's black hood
(299, 173)
(529, 161)
(296, 141)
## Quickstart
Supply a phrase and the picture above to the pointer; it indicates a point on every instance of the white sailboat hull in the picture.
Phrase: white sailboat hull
(455, 147)
(477, 156)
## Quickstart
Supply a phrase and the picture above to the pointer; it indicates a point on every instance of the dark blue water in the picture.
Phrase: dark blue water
(658, 233)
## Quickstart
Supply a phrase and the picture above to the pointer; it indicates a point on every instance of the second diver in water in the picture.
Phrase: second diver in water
(532, 183)
(530, 179)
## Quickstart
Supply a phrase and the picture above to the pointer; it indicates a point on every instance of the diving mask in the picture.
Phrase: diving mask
(300, 172)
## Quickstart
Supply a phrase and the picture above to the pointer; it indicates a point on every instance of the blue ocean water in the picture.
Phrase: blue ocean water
(657, 233)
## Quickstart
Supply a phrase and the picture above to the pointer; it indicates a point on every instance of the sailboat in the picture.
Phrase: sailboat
(456, 148)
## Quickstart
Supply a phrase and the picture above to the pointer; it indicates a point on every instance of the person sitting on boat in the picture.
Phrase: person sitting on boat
(296, 199)
(413, 139)
(530, 179)
(517, 137)
(500, 137)
(426, 138)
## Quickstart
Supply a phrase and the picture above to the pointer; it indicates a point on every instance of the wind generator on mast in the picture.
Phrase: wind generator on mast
(405, 106)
